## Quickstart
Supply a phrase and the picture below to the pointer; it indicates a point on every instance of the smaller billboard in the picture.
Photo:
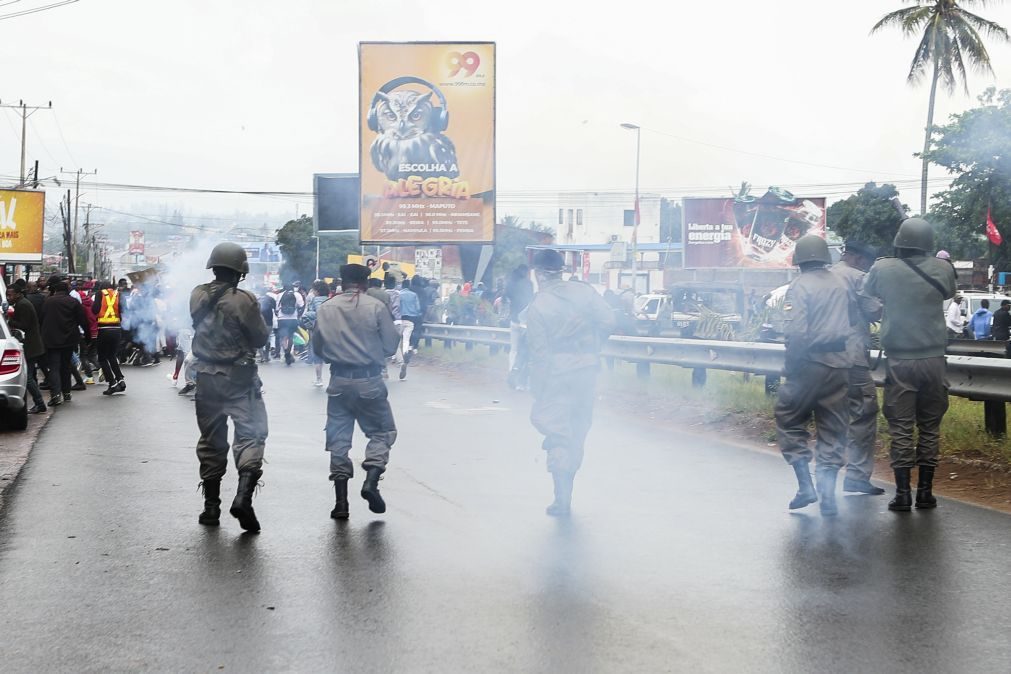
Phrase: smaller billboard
(136, 242)
(262, 252)
(748, 231)
(336, 202)
(428, 263)
(22, 224)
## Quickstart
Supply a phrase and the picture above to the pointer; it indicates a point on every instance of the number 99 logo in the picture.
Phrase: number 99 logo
(467, 62)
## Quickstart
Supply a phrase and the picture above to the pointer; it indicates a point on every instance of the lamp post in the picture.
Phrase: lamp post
(635, 222)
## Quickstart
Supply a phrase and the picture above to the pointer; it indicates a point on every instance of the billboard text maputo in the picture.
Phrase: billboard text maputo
(427, 142)
(22, 219)
(749, 231)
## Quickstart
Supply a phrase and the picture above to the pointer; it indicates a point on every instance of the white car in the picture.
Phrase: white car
(13, 381)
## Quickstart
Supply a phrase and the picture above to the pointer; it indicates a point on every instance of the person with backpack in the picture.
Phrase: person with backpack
(268, 308)
(289, 308)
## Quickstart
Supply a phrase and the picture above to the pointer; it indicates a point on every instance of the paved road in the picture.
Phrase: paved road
(681, 555)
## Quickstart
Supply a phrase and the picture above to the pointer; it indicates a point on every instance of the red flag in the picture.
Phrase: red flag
(992, 232)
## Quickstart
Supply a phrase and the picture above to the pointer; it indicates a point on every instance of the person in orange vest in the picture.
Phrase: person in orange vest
(108, 310)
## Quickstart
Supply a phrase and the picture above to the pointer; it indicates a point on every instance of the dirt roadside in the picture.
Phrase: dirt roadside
(15, 447)
(966, 479)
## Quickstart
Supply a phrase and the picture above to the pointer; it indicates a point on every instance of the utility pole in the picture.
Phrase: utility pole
(77, 197)
(67, 233)
(25, 111)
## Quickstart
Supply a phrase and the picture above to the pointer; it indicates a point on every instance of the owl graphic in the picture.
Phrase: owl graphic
(407, 134)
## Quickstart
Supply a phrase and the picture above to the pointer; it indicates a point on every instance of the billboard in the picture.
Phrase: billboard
(748, 231)
(335, 202)
(261, 252)
(427, 142)
(22, 220)
(136, 242)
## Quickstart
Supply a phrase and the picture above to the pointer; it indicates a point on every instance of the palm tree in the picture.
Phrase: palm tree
(950, 39)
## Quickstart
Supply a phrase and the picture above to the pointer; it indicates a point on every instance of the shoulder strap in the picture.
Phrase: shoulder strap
(935, 284)
(199, 317)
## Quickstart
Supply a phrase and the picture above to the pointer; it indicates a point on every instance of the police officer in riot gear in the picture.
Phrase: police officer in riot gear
(566, 324)
(912, 287)
(228, 330)
(863, 397)
(819, 314)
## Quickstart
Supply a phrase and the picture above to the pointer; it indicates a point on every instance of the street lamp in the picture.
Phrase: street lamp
(635, 222)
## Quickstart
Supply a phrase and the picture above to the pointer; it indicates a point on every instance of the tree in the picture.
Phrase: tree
(872, 215)
(511, 241)
(976, 147)
(950, 38)
(298, 248)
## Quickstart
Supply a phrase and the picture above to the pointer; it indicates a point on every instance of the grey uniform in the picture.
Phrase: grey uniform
(225, 342)
(863, 397)
(355, 333)
(914, 337)
(566, 323)
(818, 311)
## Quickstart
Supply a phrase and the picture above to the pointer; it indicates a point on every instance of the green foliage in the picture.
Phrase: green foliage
(975, 146)
(511, 244)
(871, 215)
(298, 248)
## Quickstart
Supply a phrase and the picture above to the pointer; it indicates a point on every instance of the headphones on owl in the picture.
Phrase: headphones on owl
(441, 119)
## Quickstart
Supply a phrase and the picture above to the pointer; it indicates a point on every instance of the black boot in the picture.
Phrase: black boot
(370, 490)
(903, 501)
(861, 486)
(806, 494)
(826, 491)
(242, 505)
(562, 505)
(211, 516)
(925, 487)
(341, 509)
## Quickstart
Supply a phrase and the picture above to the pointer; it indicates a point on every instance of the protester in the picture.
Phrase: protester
(63, 323)
(289, 307)
(1001, 328)
(411, 314)
(319, 294)
(980, 322)
(268, 308)
(355, 334)
(25, 320)
(519, 291)
(953, 318)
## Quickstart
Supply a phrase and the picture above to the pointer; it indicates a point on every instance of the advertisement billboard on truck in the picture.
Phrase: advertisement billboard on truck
(427, 142)
(747, 231)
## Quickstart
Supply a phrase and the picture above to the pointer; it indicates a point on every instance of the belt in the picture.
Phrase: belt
(361, 372)
(829, 347)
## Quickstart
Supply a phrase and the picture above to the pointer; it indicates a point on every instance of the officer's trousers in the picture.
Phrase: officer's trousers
(364, 401)
(819, 390)
(916, 393)
(563, 413)
(863, 426)
(218, 398)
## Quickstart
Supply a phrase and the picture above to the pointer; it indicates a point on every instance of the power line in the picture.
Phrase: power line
(34, 10)
(63, 139)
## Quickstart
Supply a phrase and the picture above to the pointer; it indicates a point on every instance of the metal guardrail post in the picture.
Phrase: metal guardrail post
(699, 377)
(995, 418)
(642, 369)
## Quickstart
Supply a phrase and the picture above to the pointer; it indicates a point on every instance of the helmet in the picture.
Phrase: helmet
(549, 260)
(230, 256)
(915, 233)
(811, 248)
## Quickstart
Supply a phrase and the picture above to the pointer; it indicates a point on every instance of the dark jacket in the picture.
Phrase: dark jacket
(63, 320)
(37, 299)
(566, 325)
(231, 331)
(1001, 329)
(27, 321)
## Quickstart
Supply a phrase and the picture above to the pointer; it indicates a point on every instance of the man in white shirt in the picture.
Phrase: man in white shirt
(953, 317)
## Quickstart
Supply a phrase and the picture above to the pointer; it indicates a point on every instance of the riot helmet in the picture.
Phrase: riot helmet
(230, 256)
(915, 233)
(811, 248)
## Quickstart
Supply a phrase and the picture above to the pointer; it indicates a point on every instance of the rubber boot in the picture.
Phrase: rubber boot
(903, 501)
(826, 491)
(562, 504)
(925, 487)
(806, 494)
(242, 505)
(211, 516)
(370, 490)
(341, 509)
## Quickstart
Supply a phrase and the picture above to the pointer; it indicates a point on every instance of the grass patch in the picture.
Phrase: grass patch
(734, 395)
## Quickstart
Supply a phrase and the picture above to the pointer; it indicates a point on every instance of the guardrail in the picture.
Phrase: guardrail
(986, 379)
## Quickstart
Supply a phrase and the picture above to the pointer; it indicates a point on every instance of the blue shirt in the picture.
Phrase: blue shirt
(410, 305)
(980, 323)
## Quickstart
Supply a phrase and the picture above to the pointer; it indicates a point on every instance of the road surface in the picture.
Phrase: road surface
(680, 554)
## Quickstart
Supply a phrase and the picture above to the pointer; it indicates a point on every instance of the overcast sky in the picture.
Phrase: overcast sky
(257, 95)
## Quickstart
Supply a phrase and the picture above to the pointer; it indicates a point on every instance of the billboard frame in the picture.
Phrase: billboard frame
(315, 205)
(494, 144)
